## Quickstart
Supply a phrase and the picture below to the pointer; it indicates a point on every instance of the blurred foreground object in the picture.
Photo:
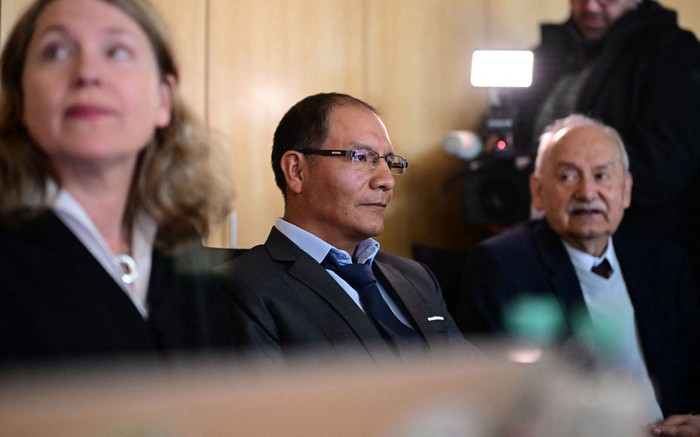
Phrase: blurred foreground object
(455, 395)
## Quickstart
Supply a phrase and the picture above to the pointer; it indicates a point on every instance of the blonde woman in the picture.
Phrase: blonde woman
(106, 189)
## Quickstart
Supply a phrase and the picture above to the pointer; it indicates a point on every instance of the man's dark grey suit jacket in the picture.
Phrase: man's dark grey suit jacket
(281, 299)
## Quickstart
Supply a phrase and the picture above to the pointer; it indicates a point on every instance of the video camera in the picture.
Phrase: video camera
(496, 177)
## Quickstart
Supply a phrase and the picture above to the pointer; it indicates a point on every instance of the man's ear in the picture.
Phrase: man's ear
(535, 192)
(294, 167)
(627, 193)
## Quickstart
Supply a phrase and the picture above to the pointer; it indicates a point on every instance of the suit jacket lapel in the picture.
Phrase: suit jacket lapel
(85, 268)
(639, 289)
(74, 279)
(406, 297)
(561, 273)
(314, 276)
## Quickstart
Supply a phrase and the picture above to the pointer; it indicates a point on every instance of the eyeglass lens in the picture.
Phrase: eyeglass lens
(397, 164)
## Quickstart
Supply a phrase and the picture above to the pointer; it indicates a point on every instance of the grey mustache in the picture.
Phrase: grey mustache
(595, 205)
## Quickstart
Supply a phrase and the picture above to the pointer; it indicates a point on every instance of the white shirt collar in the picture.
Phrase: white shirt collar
(73, 215)
(586, 261)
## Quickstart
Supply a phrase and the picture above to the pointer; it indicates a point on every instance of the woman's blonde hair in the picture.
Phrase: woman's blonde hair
(178, 180)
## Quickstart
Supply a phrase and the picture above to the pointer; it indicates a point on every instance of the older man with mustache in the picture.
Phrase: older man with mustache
(597, 276)
(629, 64)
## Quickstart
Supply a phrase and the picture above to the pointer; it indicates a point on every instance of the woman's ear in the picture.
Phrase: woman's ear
(165, 104)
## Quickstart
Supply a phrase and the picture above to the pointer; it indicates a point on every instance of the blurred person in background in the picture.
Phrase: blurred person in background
(106, 190)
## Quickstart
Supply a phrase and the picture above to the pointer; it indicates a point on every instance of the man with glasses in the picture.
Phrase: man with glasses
(628, 64)
(320, 282)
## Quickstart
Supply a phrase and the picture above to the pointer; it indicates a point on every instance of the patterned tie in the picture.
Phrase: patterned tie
(603, 269)
(362, 279)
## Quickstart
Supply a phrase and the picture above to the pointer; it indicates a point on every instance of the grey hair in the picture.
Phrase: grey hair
(551, 135)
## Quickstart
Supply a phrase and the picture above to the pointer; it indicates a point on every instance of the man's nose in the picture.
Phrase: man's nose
(586, 188)
(383, 178)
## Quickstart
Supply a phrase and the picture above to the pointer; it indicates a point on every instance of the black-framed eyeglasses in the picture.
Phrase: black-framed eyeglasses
(365, 157)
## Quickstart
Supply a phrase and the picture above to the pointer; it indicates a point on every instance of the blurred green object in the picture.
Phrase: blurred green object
(537, 318)
(603, 337)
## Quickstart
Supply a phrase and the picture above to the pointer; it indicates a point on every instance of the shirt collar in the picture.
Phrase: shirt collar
(72, 214)
(585, 260)
(317, 249)
(62, 202)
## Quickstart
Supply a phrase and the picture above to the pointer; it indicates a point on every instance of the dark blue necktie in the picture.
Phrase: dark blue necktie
(362, 279)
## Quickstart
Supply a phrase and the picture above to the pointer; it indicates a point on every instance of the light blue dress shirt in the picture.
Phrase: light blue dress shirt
(317, 249)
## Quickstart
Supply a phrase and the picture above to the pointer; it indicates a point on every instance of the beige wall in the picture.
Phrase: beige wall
(245, 62)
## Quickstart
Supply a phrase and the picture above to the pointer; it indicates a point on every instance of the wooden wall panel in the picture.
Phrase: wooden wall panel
(688, 13)
(265, 56)
(10, 10)
(419, 55)
(188, 28)
(515, 25)
(187, 21)
(245, 62)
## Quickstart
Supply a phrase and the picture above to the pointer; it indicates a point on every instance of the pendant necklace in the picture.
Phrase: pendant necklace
(127, 265)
